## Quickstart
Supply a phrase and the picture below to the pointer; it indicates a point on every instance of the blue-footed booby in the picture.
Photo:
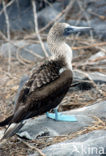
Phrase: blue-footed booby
(48, 83)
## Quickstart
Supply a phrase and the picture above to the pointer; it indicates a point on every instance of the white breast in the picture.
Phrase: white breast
(62, 70)
(67, 53)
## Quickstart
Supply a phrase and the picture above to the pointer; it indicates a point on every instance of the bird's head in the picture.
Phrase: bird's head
(56, 41)
(60, 31)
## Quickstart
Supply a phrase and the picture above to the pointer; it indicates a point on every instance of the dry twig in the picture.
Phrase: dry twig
(8, 34)
(36, 27)
(89, 46)
(69, 7)
(33, 148)
(97, 15)
(6, 6)
(86, 16)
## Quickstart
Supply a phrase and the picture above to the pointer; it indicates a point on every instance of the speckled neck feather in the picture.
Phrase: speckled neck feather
(58, 47)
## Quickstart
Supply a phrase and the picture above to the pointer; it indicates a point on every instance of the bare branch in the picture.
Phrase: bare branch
(6, 6)
(87, 18)
(36, 28)
(8, 33)
(67, 13)
(33, 147)
(89, 46)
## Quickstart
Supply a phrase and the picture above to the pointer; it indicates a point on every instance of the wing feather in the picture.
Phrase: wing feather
(41, 76)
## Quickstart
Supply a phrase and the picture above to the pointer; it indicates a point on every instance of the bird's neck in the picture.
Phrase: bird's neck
(62, 51)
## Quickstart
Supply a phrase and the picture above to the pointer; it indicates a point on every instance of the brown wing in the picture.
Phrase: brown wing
(40, 77)
(44, 90)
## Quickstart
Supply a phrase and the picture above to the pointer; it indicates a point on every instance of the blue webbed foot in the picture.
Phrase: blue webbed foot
(61, 117)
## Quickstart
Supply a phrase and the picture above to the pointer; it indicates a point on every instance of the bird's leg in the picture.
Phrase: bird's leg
(56, 113)
(47, 114)
(53, 115)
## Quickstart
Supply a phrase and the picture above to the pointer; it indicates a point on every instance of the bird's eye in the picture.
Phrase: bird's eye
(67, 31)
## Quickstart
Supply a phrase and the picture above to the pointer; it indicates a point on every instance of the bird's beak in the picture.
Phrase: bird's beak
(76, 29)
(73, 29)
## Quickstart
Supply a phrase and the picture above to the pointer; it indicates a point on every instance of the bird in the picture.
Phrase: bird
(49, 81)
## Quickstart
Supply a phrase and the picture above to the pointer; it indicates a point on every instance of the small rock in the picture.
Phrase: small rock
(5, 47)
(35, 48)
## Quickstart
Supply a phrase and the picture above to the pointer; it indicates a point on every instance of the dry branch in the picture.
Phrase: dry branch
(33, 148)
(8, 33)
(6, 6)
(91, 45)
(67, 13)
(97, 15)
(83, 9)
(36, 28)
(98, 59)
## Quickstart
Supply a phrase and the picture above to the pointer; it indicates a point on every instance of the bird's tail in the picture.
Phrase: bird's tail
(12, 129)
(6, 121)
